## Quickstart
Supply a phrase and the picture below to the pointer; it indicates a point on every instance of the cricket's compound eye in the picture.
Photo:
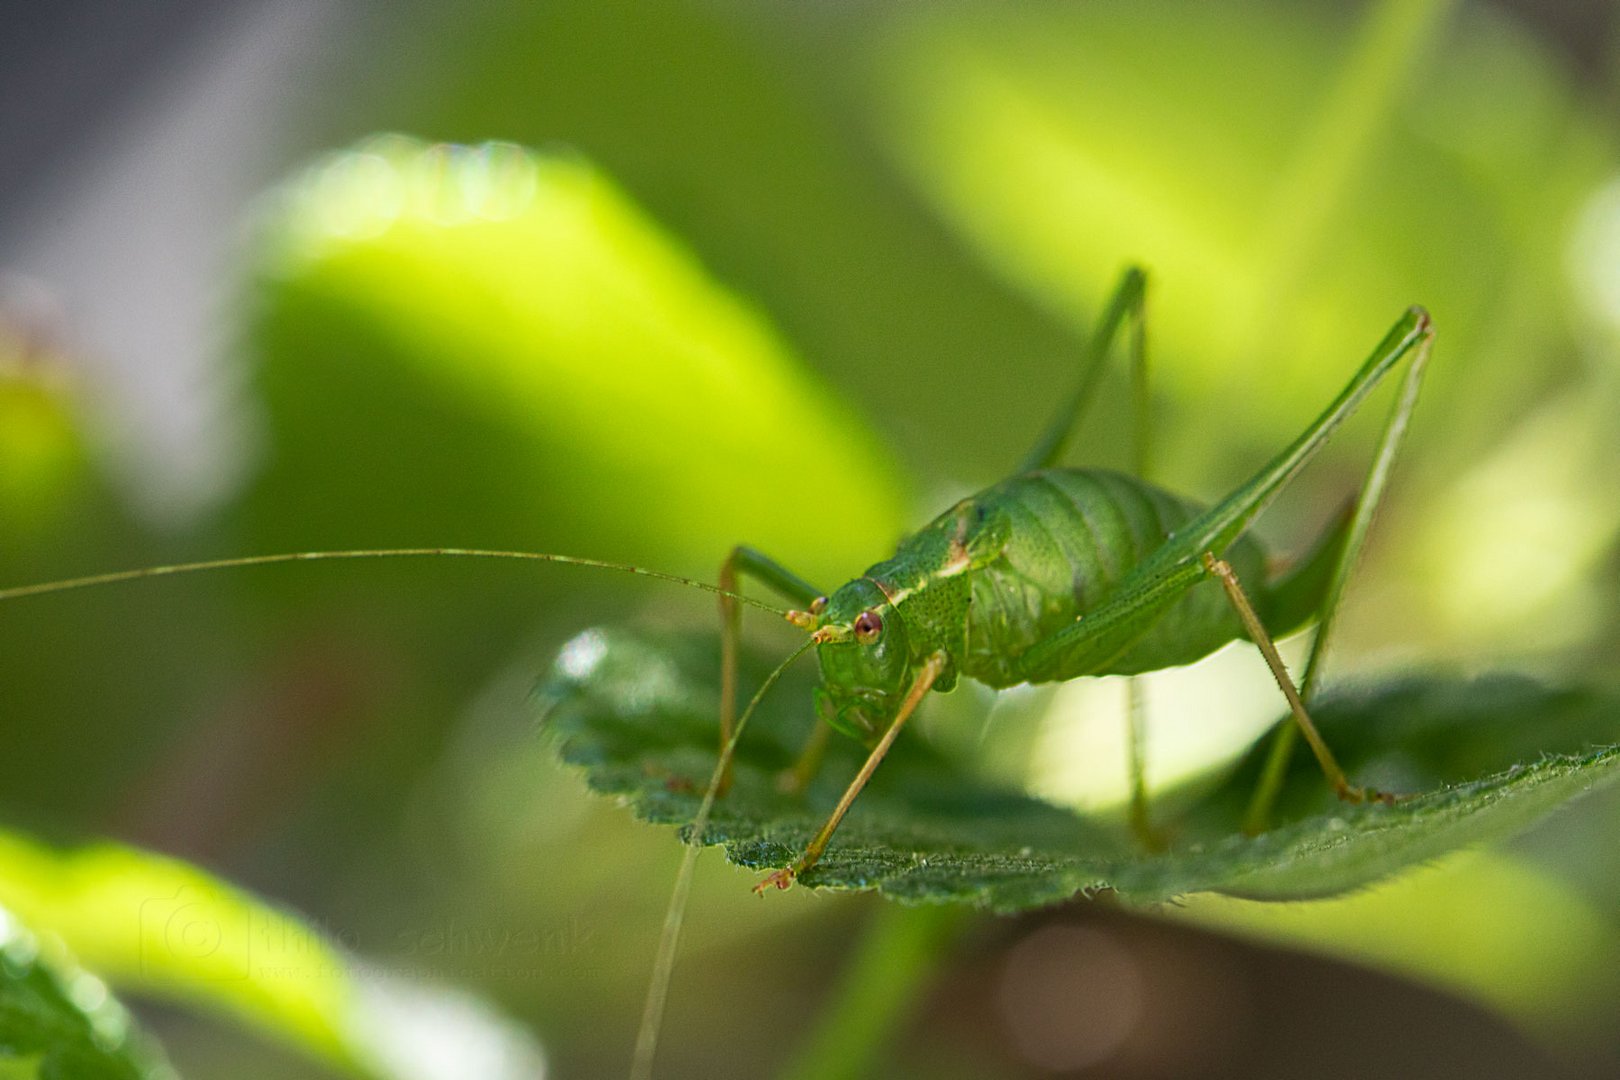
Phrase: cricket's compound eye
(818, 605)
(868, 625)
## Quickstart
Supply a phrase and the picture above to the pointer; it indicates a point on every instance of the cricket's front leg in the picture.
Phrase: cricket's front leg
(1317, 587)
(812, 854)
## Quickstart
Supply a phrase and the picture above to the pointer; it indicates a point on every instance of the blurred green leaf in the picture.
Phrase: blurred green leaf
(161, 927)
(734, 127)
(42, 454)
(1292, 176)
(60, 1020)
(637, 712)
(483, 343)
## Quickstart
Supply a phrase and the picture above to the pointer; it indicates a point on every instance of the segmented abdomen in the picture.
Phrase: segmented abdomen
(1072, 535)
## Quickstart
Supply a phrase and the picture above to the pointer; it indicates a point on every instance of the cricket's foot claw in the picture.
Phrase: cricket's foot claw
(1368, 795)
(780, 878)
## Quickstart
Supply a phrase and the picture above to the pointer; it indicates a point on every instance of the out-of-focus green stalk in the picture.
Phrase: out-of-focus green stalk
(901, 950)
(1393, 38)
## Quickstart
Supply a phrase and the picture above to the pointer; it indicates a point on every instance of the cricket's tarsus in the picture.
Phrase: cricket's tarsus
(926, 677)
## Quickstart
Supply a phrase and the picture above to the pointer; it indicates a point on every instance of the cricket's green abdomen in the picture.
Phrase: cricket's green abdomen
(1070, 535)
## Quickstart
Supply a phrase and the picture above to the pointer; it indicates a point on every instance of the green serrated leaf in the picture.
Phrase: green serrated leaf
(636, 712)
(1334, 852)
(1421, 734)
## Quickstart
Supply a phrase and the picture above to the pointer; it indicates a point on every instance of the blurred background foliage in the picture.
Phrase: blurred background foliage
(793, 276)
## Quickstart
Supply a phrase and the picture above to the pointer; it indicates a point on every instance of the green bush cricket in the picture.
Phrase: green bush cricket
(1049, 575)
(1056, 573)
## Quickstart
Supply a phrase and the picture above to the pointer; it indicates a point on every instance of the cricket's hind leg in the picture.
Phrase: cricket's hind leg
(1156, 583)
(1324, 573)
(1222, 571)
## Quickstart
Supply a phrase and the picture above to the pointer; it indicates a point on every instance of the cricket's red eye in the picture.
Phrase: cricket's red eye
(867, 627)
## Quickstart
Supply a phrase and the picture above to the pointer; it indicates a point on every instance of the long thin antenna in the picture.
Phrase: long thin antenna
(652, 1016)
(118, 576)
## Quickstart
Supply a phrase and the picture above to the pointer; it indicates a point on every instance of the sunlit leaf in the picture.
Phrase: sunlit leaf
(638, 714)
(1271, 165)
(494, 344)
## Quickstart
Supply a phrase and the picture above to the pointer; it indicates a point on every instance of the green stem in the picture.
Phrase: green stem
(902, 948)
(1258, 816)
(1391, 41)
(1393, 38)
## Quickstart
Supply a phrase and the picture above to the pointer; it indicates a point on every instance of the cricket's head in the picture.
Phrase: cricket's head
(865, 660)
